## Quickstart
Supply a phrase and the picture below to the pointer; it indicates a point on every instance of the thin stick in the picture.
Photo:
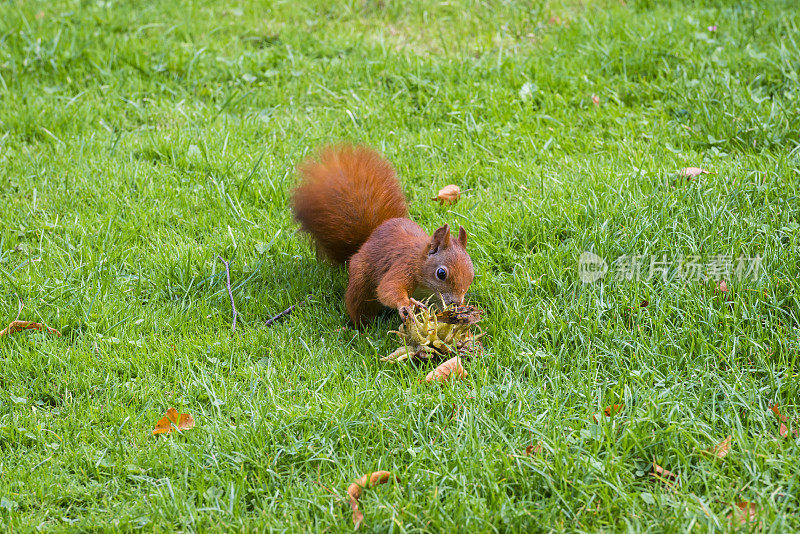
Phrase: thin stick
(452, 415)
(287, 311)
(230, 293)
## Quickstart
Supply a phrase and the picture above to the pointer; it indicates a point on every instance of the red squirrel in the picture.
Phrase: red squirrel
(349, 200)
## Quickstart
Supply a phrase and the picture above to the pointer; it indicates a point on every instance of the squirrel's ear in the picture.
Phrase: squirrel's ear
(440, 239)
(462, 237)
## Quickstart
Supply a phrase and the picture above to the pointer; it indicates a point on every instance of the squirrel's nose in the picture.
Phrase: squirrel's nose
(451, 299)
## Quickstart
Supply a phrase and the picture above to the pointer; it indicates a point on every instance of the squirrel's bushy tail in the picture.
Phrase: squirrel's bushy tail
(343, 195)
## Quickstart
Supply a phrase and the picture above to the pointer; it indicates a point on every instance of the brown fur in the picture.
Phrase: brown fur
(351, 203)
(343, 196)
(384, 270)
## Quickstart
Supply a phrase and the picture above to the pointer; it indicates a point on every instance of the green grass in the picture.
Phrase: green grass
(138, 141)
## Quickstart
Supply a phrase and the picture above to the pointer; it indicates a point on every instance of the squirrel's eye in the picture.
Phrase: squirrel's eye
(441, 273)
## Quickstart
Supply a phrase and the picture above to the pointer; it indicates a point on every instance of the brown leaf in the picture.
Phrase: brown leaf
(451, 367)
(743, 512)
(531, 450)
(721, 449)
(609, 411)
(777, 412)
(722, 286)
(783, 431)
(595, 100)
(173, 420)
(449, 194)
(664, 475)
(691, 172)
(18, 326)
(366, 481)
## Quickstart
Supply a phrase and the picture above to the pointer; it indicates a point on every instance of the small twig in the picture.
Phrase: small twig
(287, 311)
(326, 488)
(452, 416)
(230, 293)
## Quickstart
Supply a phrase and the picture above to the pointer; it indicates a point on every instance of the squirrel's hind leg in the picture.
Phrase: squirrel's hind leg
(362, 302)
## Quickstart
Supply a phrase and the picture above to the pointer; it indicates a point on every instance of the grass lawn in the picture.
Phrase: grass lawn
(141, 140)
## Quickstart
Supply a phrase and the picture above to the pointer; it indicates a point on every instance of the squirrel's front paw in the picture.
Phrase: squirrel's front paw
(406, 312)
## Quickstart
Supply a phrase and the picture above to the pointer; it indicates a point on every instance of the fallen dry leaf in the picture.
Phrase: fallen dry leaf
(595, 100)
(367, 481)
(664, 475)
(691, 172)
(777, 412)
(783, 430)
(609, 411)
(531, 450)
(173, 420)
(743, 512)
(722, 286)
(17, 326)
(721, 449)
(451, 367)
(449, 194)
